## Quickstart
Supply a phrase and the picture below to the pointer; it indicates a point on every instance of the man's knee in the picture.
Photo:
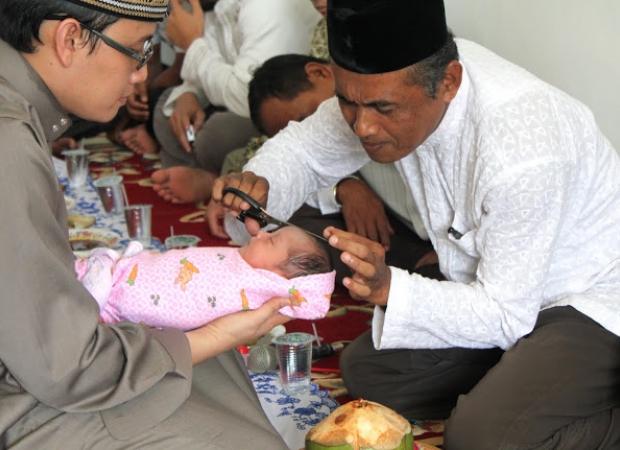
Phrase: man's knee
(467, 427)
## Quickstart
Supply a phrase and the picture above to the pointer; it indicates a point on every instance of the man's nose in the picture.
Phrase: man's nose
(364, 124)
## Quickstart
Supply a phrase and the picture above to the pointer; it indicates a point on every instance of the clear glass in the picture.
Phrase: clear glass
(77, 167)
(294, 351)
(138, 219)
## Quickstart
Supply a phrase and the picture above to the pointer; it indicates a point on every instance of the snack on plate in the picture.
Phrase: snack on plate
(361, 425)
(83, 241)
(78, 222)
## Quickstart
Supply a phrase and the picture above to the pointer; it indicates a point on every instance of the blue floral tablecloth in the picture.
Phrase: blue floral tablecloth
(292, 416)
(87, 203)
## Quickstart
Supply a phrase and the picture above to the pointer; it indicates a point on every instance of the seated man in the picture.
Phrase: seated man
(518, 190)
(222, 48)
(290, 88)
(133, 128)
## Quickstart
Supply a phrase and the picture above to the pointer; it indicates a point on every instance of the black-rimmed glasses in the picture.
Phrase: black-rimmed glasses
(142, 58)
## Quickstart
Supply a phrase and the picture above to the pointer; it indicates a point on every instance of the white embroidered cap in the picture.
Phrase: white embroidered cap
(148, 10)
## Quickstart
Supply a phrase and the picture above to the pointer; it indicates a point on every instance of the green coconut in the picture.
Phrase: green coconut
(361, 425)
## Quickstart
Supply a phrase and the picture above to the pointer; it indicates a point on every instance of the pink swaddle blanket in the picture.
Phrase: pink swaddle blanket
(187, 288)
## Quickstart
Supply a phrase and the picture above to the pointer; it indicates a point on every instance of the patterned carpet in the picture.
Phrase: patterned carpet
(347, 318)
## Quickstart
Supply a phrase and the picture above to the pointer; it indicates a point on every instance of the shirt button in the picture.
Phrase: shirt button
(55, 128)
(63, 121)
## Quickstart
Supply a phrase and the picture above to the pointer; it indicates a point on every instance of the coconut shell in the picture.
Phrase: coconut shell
(361, 425)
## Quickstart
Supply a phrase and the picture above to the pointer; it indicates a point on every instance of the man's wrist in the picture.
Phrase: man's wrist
(350, 177)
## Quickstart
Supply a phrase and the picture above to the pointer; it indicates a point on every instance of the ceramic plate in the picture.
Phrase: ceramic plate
(83, 241)
(69, 202)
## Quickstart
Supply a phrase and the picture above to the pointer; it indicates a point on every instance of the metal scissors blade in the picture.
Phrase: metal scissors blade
(257, 213)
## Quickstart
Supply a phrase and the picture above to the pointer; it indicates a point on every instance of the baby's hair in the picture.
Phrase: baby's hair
(302, 264)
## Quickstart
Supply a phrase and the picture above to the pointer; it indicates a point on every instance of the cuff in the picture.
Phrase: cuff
(326, 201)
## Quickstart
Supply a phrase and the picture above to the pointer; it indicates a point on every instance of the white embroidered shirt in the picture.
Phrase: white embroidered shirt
(522, 173)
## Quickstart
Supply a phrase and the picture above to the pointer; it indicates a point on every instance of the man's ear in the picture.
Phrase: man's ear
(69, 40)
(316, 70)
(451, 82)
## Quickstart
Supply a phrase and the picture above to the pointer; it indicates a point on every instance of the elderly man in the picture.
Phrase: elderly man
(518, 190)
(67, 381)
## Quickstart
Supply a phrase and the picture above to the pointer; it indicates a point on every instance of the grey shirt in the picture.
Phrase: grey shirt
(53, 351)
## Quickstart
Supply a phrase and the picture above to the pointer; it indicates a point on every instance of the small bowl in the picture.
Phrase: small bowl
(181, 241)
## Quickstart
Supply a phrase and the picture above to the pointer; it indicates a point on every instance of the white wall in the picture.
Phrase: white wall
(572, 44)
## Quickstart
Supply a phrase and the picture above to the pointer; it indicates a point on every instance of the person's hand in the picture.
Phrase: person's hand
(187, 111)
(138, 103)
(371, 276)
(215, 214)
(248, 182)
(171, 76)
(230, 331)
(62, 144)
(363, 211)
(184, 27)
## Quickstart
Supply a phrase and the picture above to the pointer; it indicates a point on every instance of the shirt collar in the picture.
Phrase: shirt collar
(25, 80)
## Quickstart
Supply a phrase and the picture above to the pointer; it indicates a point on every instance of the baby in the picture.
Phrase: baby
(187, 288)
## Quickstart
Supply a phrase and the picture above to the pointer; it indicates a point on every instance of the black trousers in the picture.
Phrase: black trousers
(558, 388)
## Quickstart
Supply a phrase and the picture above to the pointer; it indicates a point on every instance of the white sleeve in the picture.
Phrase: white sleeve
(306, 156)
(178, 91)
(265, 28)
(323, 199)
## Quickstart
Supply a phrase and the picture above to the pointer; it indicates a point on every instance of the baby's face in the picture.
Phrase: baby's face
(269, 250)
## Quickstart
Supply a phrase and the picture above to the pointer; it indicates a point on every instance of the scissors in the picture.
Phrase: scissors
(257, 213)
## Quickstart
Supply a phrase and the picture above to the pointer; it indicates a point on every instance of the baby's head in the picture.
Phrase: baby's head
(287, 251)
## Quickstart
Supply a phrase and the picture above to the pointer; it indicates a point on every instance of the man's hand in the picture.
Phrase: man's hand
(187, 111)
(371, 276)
(138, 103)
(184, 27)
(230, 331)
(363, 211)
(248, 182)
(215, 214)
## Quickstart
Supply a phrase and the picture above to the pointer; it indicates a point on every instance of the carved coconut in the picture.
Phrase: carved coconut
(361, 425)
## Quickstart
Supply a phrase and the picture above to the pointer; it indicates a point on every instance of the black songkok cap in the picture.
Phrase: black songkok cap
(378, 36)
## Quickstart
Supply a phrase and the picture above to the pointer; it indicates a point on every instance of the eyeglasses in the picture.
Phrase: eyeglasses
(142, 58)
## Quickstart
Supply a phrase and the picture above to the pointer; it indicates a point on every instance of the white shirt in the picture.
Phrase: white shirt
(386, 182)
(516, 166)
(239, 36)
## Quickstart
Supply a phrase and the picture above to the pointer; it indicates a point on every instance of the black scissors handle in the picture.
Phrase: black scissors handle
(255, 212)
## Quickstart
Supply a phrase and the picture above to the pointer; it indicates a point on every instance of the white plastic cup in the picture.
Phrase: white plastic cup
(138, 219)
(181, 241)
(112, 193)
(76, 162)
(294, 352)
